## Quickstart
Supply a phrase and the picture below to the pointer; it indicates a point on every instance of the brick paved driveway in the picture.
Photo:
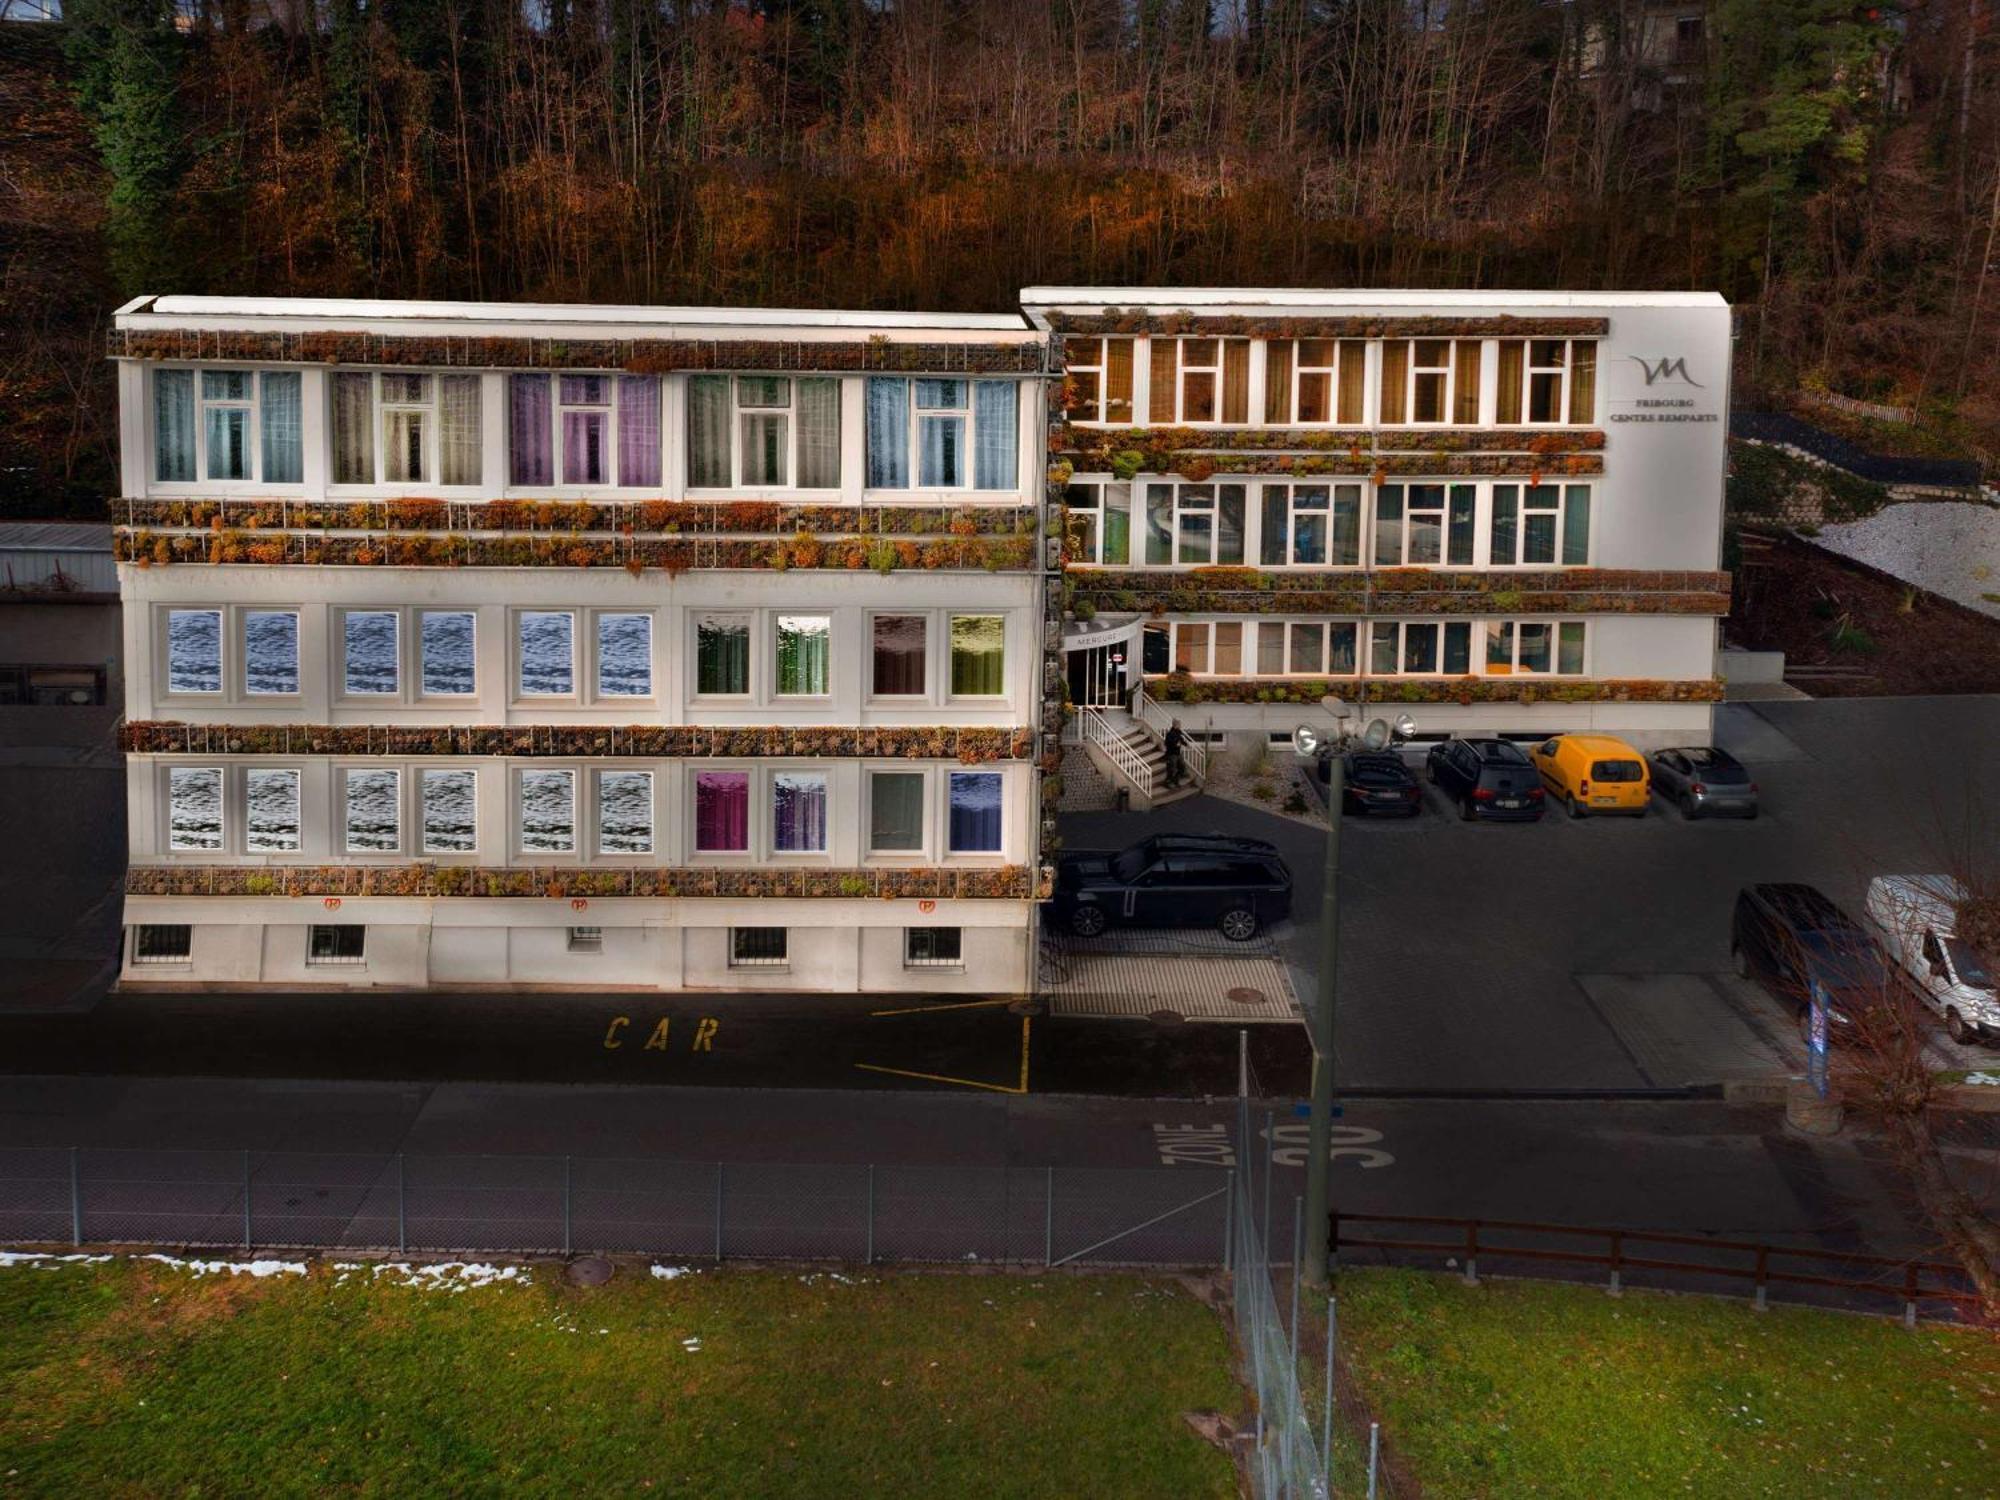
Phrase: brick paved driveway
(1559, 954)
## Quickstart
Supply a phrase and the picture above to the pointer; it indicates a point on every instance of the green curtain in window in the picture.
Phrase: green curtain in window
(978, 655)
(722, 655)
(1576, 527)
(708, 432)
(803, 655)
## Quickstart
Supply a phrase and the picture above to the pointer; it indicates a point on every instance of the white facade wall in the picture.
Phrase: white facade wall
(834, 944)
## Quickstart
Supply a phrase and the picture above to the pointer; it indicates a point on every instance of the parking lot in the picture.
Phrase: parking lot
(1595, 954)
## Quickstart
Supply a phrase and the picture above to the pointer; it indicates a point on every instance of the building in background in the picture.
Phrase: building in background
(536, 645)
(59, 679)
(1498, 511)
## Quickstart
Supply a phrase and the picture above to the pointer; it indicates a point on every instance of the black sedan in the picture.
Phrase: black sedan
(1376, 782)
(1700, 780)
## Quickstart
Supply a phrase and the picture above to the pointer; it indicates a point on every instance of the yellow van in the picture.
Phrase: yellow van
(1593, 773)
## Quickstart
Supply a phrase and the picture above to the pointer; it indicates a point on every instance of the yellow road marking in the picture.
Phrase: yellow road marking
(911, 1010)
(969, 1083)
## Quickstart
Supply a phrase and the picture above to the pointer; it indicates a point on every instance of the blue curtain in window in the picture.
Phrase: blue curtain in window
(284, 457)
(888, 434)
(975, 812)
(173, 426)
(995, 406)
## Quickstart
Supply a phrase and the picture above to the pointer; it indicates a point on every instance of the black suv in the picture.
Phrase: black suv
(1374, 781)
(1786, 937)
(1487, 779)
(1175, 880)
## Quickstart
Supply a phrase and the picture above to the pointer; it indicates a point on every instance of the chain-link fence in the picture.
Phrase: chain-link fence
(572, 1204)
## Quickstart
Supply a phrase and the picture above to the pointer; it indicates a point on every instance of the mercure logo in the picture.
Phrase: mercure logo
(1664, 368)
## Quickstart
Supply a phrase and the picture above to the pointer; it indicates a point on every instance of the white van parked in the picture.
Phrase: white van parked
(1916, 916)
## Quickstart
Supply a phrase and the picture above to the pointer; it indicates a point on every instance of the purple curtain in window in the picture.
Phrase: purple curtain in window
(798, 807)
(531, 455)
(722, 811)
(584, 458)
(639, 429)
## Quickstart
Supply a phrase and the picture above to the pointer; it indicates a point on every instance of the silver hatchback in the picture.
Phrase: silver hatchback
(1700, 780)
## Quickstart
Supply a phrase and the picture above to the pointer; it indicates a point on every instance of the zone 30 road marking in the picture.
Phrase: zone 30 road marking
(1215, 1145)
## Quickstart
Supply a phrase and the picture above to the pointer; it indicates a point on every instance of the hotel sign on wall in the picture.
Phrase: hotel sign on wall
(1670, 394)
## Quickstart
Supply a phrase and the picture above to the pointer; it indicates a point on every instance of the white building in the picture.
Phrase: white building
(504, 644)
(1500, 512)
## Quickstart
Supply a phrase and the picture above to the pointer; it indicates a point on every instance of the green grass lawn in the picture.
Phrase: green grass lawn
(131, 1378)
(1518, 1388)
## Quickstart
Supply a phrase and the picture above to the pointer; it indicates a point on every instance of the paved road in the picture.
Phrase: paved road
(1564, 954)
(1698, 1166)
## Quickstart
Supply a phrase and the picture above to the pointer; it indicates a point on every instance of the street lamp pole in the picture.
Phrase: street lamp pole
(1319, 1136)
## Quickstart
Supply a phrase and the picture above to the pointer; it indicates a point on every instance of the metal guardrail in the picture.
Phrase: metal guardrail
(1786, 430)
(1762, 1266)
(1099, 731)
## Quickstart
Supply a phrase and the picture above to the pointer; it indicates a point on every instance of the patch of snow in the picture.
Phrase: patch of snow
(668, 1273)
(42, 1260)
(692, 1345)
(257, 1268)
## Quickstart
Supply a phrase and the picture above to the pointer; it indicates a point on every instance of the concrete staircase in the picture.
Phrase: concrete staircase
(1144, 745)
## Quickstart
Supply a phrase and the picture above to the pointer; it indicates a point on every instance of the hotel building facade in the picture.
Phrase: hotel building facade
(1498, 512)
(711, 649)
(539, 645)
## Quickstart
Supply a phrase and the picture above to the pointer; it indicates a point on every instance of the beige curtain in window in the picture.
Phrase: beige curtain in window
(1395, 378)
(1236, 380)
(1512, 352)
(1166, 381)
(353, 429)
(1278, 381)
(1465, 387)
(1117, 405)
(1582, 381)
(1353, 380)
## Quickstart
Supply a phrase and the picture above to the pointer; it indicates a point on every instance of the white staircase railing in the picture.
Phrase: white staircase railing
(1099, 731)
(1156, 718)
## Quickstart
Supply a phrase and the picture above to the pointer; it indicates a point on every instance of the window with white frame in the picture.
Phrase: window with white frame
(547, 811)
(1540, 525)
(798, 812)
(582, 430)
(1100, 523)
(1197, 381)
(270, 651)
(1306, 648)
(758, 948)
(933, 948)
(1099, 371)
(373, 801)
(1430, 382)
(446, 640)
(624, 812)
(1419, 648)
(804, 655)
(162, 943)
(1209, 648)
(1310, 525)
(624, 655)
(586, 940)
(1194, 525)
(978, 656)
(331, 945)
(722, 655)
(1315, 382)
(722, 812)
(1424, 525)
(896, 812)
(545, 642)
(898, 665)
(371, 653)
(763, 432)
(976, 803)
(942, 434)
(1547, 382)
(270, 811)
(450, 807)
(227, 426)
(194, 808)
(1534, 647)
(194, 650)
(402, 427)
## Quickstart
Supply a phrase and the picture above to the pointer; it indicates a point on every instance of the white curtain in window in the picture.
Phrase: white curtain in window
(403, 445)
(994, 414)
(708, 432)
(284, 457)
(173, 426)
(941, 456)
(888, 434)
(353, 429)
(819, 434)
(458, 429)
(639, 430)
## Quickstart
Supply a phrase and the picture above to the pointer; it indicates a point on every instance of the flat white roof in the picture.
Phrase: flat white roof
(1224, 300)
(546, 319)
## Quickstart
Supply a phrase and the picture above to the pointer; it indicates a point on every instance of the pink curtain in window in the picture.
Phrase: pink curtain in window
(639, 429)
(531, 454)
(722, 811)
